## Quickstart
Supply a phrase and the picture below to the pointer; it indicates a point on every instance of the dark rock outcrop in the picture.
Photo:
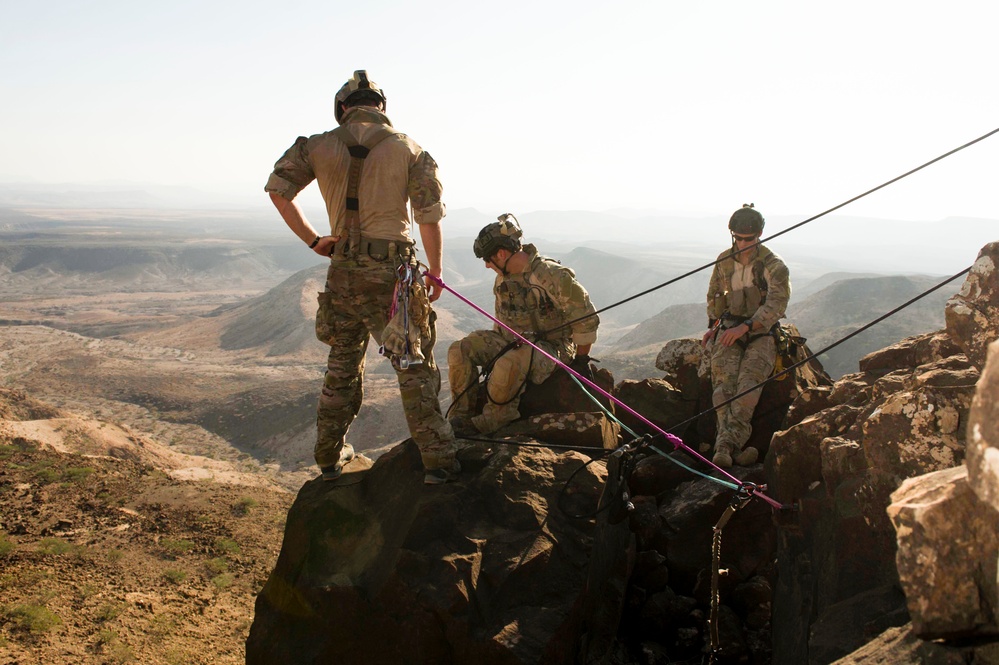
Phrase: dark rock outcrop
(491, 569)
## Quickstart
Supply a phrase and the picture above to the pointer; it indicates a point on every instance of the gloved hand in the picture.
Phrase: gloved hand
(581, 363)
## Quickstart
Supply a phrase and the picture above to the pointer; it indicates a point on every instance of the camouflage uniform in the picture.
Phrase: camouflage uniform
(758, 291)
(360, 284)
(543, 297)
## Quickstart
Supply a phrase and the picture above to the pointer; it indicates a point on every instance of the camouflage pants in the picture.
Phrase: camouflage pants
(355, 307)
(506, 381)
(734, 370)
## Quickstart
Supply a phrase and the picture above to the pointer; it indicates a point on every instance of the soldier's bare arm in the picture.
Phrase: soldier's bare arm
(433, 245)
(294, 217)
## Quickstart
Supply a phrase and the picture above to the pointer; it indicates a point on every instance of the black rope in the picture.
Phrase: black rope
(597, 453)
(798, 364)
(780, 233)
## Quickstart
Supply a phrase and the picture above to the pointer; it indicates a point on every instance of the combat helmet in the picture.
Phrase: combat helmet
(359, 83)
(746, 221)
(504, 234)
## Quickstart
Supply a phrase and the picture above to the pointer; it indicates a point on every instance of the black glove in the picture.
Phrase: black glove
(581, 363)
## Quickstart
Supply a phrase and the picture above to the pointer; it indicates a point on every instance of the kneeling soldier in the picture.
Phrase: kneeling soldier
(537, 297)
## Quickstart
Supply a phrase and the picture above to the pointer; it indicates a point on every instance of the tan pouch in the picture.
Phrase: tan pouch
(325, 324)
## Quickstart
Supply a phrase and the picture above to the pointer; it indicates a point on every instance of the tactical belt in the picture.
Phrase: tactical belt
(731, 321)
(352, 205)
(376, 248)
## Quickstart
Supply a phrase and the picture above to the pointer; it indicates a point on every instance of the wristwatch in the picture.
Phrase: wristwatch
(315, 242)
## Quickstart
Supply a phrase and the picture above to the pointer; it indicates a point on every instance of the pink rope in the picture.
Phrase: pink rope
(671, 438)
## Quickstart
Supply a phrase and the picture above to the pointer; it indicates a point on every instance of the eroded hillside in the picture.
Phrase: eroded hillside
(108, 559)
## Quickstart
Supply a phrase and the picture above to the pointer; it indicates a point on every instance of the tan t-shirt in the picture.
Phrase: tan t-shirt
(397, 170)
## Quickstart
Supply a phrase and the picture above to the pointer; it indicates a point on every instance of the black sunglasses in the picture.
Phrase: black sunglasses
(743, 238)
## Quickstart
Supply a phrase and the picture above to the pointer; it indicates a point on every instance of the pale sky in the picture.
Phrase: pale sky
(692, 107)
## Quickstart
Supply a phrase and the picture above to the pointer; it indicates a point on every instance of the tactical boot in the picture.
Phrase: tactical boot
(463, 426)
(723, 456)
(747, 456)
(441, 476)
(335, 471)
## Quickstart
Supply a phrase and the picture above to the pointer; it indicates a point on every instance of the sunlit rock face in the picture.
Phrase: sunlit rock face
(948, 545)
(973, 313)
(982, 457)
(842, 454)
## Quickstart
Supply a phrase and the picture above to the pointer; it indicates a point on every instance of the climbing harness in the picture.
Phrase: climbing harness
(743, 496)
(400, 323)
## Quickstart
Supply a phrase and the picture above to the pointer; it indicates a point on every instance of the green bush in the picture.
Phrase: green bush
(223, 581)
(175, 575)
(217, 565)
(244, 505)
(77, 473)
(32, 618)
(109, 611)
(227, 545)
(6, 545)
(175, 547)
(55, 546)
(46, 475)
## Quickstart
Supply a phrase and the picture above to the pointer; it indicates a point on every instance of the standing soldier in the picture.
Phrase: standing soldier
(367, 172)
(534, 295)
(747, 296)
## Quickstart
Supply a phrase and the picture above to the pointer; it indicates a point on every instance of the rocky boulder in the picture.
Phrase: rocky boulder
(561, 393)
(379, 568)
(982, 457)
(905, 414)
(948, 546)
(973, 313)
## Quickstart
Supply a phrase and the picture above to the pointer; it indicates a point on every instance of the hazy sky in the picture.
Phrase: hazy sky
(692, 107)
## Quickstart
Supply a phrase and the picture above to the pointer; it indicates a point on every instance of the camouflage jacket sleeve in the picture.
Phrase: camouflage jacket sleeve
(571, 298)
(717, 290)
(293, 172)
(778, 292)
(425, 190)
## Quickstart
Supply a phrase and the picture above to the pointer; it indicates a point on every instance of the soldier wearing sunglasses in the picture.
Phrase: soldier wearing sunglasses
(747, 296)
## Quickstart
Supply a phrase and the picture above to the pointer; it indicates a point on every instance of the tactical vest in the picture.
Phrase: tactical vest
(524, 303)
(745, 302)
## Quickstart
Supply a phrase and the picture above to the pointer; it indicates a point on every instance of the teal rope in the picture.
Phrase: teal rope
(603, 408)
(723, 483)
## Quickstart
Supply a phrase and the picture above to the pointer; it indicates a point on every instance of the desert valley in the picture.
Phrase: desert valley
(158, 379)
